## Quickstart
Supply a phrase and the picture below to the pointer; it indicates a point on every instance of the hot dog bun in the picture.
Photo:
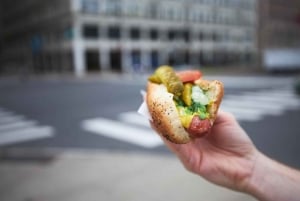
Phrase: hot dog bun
(165, 118)
(216, 92)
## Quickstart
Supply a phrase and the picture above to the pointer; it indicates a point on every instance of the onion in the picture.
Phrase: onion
(198, 96)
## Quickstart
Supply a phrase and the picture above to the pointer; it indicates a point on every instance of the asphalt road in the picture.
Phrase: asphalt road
(60, 107)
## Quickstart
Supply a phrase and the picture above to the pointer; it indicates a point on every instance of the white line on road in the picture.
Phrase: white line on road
(267, 108)
(26, 134)
(249, 106)
(134, 118)
(17, 125)
(286, 93)
(10, 119)
(6, 114)
(252, 106)
(262, 99)
(244, 114)
(121, 131)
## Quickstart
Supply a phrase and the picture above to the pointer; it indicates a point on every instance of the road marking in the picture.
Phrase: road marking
(259, 99)
(122, 131)
(10, 119)
(133, 117)
(133, 128)
(5, 114)
(250, 104)
(26, 134)
(287, 93)
(16, 128)
(253, 106)
(267, 98)
(243, 113)
(17, 125)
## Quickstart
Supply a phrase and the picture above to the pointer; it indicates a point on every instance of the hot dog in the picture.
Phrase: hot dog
(182, 105)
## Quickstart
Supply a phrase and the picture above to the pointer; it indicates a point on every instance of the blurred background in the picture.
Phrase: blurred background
(71, 72)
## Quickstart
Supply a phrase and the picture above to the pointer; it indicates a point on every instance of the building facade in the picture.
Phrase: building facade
(128, 35)
(1, 37)
(279, 33)
(34, 36)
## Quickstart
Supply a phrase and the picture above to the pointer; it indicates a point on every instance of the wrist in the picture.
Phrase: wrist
(255, 184)
(269, 180)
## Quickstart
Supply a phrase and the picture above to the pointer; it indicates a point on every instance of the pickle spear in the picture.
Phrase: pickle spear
(167, 76)
(187, 94)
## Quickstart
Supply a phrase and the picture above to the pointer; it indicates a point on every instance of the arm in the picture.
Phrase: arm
(271, 180)
(227, 157)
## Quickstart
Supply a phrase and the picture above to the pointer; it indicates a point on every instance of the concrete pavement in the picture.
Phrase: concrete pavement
(110, 176)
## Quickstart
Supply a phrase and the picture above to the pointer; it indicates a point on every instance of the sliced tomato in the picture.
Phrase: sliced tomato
(189, 75)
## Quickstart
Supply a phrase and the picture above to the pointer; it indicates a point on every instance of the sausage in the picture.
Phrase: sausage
(199, 127)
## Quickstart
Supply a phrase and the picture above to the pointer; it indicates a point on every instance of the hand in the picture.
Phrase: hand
(225, 156)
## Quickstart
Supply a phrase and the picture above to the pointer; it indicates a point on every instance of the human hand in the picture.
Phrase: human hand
(225, 156)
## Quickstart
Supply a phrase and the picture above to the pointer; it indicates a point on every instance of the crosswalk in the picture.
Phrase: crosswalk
(16, 128)
(133, 128)
(254, 106)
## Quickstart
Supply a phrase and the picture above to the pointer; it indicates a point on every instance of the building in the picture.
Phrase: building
(279, 34)
(128, 35)
(33, 36)
(1, 38)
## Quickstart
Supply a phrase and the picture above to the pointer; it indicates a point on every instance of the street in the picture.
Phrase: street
(100, 114)
(82, 139)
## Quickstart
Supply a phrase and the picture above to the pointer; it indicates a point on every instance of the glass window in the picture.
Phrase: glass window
(90, 31)
(90, 6)
(135, 33)
(153, 34)
(201, 36)
(171, 35)
(186, 36)
(214, 37)
(113, 7)
(132, 9)
(136, 59)
(153, 11)
(114, 32)
(68, 33)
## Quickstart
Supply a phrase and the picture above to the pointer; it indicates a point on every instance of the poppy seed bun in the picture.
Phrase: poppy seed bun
(165, 118)
(164, 114)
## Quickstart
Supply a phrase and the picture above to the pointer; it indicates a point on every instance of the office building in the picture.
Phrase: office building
(128, 35)
(1, 38)
(279, 34)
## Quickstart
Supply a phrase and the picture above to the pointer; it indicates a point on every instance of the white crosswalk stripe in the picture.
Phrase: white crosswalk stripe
(9, 119)
(16, 128)
(122, 131)
(253, 106)
(17, 125)
(134, 118)
(26, 134)
(133, 128)
(5, 113)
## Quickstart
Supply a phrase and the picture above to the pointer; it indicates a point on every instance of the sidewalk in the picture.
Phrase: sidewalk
(109, 176)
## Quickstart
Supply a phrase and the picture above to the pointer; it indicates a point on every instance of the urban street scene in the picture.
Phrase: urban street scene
(73, 78)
